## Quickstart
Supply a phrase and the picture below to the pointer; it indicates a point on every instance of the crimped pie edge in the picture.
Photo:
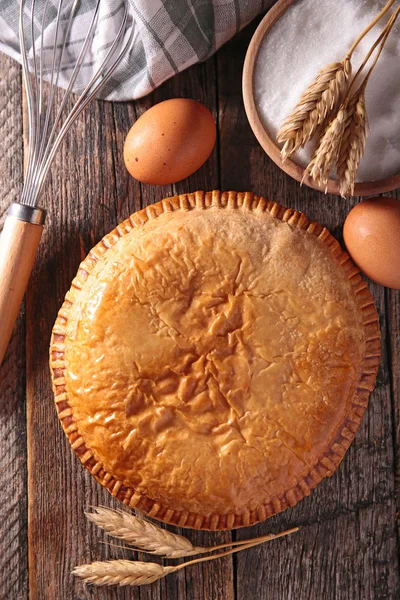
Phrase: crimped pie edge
(327, 464)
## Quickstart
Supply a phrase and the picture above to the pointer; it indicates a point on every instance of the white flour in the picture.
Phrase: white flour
(307, 37)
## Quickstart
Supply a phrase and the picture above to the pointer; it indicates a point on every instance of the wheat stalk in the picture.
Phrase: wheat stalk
(135, 573)
(322, 97)
(148, 537)
(370, 26)
(317, 102)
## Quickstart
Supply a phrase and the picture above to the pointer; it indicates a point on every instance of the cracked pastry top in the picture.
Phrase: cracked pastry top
(213, 359)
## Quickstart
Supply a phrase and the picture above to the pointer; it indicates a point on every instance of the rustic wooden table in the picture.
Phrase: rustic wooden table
(348, 546)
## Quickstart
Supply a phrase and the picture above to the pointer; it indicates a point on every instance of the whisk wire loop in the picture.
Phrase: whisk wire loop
(29, 96)
(45, 131)
(48, 139)
(41, 140)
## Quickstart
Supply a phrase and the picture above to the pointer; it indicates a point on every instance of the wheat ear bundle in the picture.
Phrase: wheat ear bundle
(136, 573)
(341, 145)
(322, 97)
(343, 142)
(317, 102)
(355, 135)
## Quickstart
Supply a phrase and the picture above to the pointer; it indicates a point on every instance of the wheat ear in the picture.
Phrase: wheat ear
(148, 537)
(326, 153)
(121, 572)
(319, 99)
(135, 573)
(142, 534)
(353, 143)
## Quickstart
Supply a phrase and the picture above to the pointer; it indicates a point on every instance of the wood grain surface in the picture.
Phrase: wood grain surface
(348, 544)
(13, 447)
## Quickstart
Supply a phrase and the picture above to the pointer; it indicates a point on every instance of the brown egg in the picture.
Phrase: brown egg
(170, 141)
(372, 237)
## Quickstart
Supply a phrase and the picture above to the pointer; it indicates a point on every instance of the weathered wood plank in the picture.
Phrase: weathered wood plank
(393, 320)
(214, 580)
(13, 469)
(350, 557)
(197, 83)
(81, 199)
(365, 478)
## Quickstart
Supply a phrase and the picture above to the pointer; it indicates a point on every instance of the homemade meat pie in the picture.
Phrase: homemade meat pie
(213, 359)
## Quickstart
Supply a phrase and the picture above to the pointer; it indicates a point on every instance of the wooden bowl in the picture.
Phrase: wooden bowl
(268, 143)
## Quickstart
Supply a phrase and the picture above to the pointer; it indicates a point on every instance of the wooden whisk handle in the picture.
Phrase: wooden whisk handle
(19, 241)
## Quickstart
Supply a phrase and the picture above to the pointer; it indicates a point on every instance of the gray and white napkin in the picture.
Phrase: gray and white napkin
(168, 36)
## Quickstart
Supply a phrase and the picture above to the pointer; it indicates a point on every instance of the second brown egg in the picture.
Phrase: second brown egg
(372, 236)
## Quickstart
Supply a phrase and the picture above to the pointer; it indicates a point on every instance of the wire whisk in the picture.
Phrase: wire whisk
(48, 124)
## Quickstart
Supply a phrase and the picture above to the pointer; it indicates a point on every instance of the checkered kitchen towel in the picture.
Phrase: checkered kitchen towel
(168, 36)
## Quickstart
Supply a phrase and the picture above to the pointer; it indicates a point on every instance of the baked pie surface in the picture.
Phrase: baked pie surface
(213, 359)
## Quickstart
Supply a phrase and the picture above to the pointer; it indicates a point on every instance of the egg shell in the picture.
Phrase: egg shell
(170, 141)
(372, 236)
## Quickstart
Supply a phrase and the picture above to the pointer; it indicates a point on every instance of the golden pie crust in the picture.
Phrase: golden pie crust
(213, 359)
